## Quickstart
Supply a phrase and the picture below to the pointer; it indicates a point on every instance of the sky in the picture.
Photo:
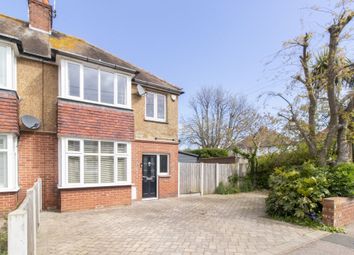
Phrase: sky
(190, 43)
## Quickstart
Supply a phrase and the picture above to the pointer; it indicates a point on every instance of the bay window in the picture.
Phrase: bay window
(95, 84)
(155, 107)
(95, 163)
(8, 163)
(7, 67)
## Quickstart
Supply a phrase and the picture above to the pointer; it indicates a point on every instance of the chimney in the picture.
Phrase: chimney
(40, 15)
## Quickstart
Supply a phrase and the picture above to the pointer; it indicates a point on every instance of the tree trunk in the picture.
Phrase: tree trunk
(343, 145)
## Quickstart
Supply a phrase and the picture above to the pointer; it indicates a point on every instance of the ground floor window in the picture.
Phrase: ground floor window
(8, 162)
(88, 162)
(162, 163)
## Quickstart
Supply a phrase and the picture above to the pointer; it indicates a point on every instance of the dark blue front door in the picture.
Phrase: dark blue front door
(149, 176)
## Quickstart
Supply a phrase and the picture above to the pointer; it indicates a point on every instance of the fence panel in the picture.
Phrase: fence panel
(226, 170)
(23, 223)
(190, 180)
(209, 178)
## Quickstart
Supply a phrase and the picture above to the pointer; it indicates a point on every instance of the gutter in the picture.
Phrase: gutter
(94, 61)
(157, 86)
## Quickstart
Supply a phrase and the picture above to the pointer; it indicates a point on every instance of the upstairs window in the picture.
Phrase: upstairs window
(95, 163)
(8, 162)
(92, 84)
(155, 107)
(7, 67)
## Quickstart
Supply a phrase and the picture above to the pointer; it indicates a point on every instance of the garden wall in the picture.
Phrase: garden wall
(338, 211)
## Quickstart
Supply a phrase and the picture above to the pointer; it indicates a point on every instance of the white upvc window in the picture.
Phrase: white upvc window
(7, 67)
(8, 163)
(163, 164)
(84, 82)
(93, 163)
(155, 107)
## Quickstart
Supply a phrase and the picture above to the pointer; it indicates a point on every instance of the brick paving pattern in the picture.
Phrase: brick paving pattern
(234, 224)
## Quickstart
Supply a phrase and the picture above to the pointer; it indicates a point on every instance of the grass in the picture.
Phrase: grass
(306, 222)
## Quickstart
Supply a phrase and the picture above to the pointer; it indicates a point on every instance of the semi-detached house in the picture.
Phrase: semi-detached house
(100, 142)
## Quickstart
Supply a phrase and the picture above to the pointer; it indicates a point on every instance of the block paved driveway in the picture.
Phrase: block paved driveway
(234, 224)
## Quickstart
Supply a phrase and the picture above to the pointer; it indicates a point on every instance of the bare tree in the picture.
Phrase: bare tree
(323, 114)
(219, 119)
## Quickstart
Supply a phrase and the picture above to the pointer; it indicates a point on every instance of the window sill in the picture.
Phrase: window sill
(156, 121)
(94, 186)
(164, 175)
(9, 190)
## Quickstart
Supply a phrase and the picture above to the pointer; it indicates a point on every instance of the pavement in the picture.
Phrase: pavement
(334, 244)
(213, 224)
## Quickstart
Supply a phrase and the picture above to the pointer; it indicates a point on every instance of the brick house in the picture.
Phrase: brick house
(100, 143)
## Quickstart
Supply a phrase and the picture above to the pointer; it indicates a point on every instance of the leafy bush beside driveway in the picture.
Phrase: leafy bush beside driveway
(299, 191)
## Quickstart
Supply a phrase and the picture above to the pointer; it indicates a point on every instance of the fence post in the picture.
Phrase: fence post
(17, 233)
(217, 175)
(201, 179)
(238, 172)
(179, 178)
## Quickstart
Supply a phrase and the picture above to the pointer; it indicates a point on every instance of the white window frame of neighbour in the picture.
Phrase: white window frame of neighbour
(64, 84)
(12, 165)
(155, 118)
(65, 153)
(10, 83)
(158, 163)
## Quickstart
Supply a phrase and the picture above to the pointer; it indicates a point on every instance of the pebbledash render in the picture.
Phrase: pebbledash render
(101, 142)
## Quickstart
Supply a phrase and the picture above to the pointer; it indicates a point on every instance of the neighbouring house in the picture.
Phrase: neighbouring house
(186, 157)
(268, 141)
(108, 130)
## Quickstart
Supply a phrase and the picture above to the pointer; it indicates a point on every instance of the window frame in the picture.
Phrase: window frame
(158, 170)
(155, 118)
(11, 72)
(12, 163)
(64, 84)
(65, 154)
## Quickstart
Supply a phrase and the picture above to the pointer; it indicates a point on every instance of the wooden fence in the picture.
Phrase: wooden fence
(202, 178)
(23, 223)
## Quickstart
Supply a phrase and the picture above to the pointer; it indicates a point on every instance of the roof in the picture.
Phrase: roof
(189, 154)
(266, 137)
(43, 45)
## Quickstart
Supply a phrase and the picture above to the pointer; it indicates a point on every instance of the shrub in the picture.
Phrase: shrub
(225, 189)
(3, 239)
(246, 184)
(229, 188)
(210, 152)
(341, 180)
(297, 191)
(287, 158)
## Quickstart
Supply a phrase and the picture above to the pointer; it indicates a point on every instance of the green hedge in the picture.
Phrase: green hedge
(210, 152)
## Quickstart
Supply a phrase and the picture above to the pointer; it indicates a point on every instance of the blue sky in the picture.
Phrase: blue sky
(191, 43)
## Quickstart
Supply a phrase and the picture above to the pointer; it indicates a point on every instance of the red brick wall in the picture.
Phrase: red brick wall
(338, 211)
(38, 157)
(8, 112)
(40, 15)
(8, 202)
(91, 121)
(91, 198)
(167, 186)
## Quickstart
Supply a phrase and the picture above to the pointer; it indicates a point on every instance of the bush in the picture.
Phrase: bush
(230, 188)
(297, 191)
(225, 189)
(210, 152)
(3, 239)
(287, 158)
(246, 184)
(341, 180)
